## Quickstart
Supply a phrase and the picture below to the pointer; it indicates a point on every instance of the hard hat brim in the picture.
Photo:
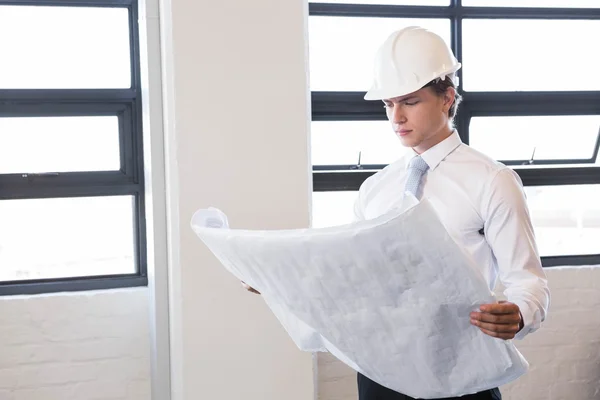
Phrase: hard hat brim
(381, 94)
(376, 93)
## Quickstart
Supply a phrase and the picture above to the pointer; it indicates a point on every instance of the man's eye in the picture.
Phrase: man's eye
(411, 103)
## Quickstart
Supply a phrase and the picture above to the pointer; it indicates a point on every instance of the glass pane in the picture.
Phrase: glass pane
(504, 55)
(566, 218)
(339, 143)
(532, 3)
(332, 208)
(342, 49)
(392, 2)
(66, 237)
(64, 47)
(543, 137)
(59, 144)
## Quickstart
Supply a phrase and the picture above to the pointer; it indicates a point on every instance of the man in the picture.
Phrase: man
(480, 201)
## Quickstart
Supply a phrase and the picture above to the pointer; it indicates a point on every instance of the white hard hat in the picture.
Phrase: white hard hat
(408, 60)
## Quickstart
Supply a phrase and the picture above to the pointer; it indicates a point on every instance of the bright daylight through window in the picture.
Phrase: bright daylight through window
(71, 164)
(537, 116)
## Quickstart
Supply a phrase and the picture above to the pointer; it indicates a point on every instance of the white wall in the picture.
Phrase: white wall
(564, 355)
(237, 119)
(78, 346)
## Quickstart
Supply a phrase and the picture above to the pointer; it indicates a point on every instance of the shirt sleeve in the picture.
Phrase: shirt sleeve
(509, 232)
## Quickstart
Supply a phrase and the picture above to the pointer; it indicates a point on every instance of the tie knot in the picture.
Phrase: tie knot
(418, 163)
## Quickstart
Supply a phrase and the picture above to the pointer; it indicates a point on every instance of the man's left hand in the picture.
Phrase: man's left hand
(502, 320)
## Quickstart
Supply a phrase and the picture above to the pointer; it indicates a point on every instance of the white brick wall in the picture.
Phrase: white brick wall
(76, 346)
(564, 355)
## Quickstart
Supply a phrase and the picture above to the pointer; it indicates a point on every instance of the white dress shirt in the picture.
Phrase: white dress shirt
(470, 191)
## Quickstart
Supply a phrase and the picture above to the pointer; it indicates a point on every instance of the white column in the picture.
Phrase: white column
(237, 118)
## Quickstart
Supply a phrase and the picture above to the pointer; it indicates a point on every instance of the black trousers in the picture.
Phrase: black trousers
(369, 390)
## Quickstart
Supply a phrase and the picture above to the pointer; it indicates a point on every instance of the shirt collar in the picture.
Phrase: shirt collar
(435, 155)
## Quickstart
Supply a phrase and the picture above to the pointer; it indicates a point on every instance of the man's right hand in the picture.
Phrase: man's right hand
(249, 288)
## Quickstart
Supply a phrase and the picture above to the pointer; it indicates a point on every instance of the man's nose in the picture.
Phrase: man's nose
(398, 116)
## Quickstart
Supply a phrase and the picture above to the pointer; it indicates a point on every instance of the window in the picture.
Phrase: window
(530, 100)
(536, 140)
(354, 42)
(71, 162)
(532, 3)
(520, 61)
(332, 208)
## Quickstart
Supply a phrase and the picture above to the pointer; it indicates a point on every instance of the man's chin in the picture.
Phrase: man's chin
(408, 141)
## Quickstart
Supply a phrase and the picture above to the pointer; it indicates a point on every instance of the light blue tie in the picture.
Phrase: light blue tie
(416, 169)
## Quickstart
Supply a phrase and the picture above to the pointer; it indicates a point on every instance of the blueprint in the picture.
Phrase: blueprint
(389, 296)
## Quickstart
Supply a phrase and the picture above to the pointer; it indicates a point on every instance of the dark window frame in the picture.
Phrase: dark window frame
(349, 106)
(126, 104)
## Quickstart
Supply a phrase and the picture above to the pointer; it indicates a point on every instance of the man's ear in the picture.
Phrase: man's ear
(449, 97)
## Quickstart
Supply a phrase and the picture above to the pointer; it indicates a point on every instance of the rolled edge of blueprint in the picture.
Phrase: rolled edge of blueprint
(379, 297)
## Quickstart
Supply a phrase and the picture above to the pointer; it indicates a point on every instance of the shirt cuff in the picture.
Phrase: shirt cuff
(530, 323)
